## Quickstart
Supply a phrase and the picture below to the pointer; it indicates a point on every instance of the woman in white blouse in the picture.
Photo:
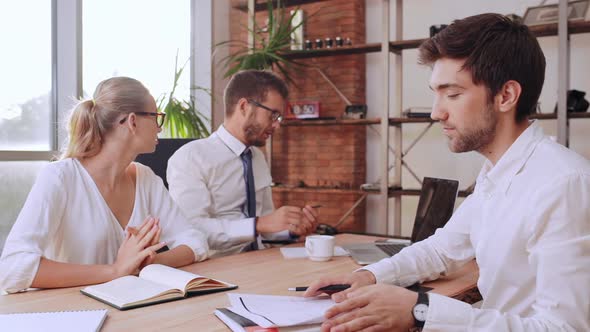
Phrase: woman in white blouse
(96, 215)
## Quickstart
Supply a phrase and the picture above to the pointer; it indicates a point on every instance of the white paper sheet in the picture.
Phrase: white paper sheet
(299, 252)
(279, 311)
(62, 321)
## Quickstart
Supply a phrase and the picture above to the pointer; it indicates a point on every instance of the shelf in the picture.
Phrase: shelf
(553, 116)
(395, 121)
(393, 192)
(416, 192)
(574, 27)
(281, 188)
(335, 122)
(323, 52)
(543, 30)
(537, 116)
(400, 120)
(262, 5)
(397, 46)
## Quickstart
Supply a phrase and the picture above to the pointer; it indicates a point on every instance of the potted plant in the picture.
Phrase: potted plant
(270, 43)
(183, 123)
(183, 119)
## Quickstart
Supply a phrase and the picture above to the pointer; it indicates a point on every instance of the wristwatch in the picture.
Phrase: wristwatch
(420, 311)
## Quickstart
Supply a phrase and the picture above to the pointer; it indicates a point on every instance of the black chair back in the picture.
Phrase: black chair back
(158, 161)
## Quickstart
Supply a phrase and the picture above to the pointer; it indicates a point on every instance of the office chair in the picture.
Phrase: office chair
(158, 161)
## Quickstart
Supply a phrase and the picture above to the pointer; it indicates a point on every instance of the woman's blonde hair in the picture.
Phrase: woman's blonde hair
(93, 118)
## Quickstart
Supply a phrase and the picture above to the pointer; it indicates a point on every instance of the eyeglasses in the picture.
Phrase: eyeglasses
(275, 115)
(159, 117)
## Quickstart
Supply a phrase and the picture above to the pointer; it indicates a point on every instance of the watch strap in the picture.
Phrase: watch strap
(422, 299)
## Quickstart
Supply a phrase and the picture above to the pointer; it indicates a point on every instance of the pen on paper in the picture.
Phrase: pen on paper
(333, 288)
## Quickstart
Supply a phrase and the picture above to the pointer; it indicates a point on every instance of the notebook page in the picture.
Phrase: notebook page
(128, 289)
(63, 321)
(168, 276)
(269, 310)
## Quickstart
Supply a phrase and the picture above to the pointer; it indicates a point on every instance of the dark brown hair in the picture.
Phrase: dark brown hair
(495, 50)
(252, 84)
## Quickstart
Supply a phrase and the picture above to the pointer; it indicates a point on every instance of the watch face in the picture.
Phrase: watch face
(420, 311)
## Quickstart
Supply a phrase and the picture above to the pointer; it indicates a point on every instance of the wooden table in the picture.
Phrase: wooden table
(258, 272)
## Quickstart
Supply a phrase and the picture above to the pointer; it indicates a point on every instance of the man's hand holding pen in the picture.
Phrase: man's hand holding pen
(298, 221)
(355, 280)
(330, 289)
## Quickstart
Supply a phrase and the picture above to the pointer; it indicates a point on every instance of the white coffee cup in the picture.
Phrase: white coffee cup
(319, 248)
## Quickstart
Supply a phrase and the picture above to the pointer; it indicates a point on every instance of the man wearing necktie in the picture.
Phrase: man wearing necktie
(222, 183)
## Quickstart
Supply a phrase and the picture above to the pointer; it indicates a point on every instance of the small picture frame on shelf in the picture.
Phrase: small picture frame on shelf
(546, 14)
(305, 109)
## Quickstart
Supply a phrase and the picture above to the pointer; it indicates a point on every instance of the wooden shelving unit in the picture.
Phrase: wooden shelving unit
(400, 45)
(395, 122)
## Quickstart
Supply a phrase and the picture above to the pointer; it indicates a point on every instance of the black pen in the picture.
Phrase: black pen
(330, 288)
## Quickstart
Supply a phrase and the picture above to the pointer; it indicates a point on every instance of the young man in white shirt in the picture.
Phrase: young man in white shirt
(527, 222)
(207, 177)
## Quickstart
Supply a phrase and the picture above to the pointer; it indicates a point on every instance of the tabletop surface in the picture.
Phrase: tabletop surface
(257, 272)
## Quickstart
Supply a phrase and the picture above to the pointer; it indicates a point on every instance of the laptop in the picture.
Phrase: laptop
(435, 207)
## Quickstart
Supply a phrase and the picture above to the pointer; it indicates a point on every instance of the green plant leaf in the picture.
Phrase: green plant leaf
(183, 120)
(268, 48)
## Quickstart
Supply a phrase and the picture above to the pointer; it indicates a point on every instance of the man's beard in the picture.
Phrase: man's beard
(475, 139)
(253, 131)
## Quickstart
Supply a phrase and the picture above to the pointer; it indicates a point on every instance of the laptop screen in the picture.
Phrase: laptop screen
(435, 207)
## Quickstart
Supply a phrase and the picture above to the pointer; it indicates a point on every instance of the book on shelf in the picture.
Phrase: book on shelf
(155, 284)
(63, 321)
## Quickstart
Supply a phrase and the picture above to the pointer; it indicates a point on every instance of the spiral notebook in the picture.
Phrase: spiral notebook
(59, 321)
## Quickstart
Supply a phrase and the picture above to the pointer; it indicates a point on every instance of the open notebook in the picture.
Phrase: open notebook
(62, 321)
(156, 284)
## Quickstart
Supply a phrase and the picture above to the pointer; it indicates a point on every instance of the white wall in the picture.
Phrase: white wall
(431, 157)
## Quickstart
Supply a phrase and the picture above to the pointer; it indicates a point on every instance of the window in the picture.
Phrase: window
(26, 116)
(139, 39)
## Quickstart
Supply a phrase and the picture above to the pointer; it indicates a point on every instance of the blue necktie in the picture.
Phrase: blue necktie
(250, 192)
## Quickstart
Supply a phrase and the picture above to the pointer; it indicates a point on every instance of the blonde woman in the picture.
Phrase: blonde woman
(96, 215)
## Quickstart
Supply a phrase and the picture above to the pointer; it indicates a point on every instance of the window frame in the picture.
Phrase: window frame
(66, 68)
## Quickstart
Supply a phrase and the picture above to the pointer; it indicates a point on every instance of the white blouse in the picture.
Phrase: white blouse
(66, 219)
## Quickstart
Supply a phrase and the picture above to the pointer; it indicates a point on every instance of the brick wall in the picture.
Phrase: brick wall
(328, 161)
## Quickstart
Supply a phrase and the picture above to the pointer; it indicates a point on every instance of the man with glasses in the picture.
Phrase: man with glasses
(223, 182)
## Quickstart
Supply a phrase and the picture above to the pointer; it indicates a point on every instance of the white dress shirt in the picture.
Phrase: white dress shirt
(66, 219)
(528, 226)
(206, 179)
